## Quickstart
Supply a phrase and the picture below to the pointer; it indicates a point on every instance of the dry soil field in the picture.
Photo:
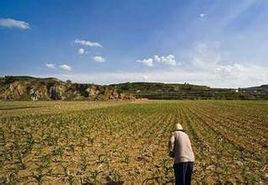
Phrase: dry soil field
(126, 142)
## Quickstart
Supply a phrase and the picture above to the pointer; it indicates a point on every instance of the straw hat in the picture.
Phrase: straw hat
(178, 126)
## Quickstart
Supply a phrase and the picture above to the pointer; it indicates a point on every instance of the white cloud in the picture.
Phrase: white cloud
(167, 60)
(99, 59)
(12, 23)
(148, 62)
(51, 66)
(208, 58)
(81, 51)
(65, 67)
(202, 15)
(88, 43)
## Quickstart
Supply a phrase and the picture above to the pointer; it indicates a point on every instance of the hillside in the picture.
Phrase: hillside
(31, 88)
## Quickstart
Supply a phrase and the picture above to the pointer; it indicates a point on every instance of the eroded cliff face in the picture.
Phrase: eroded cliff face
(15, 89)
(42, 89)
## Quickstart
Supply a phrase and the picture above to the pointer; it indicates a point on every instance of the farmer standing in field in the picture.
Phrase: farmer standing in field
(181, 150)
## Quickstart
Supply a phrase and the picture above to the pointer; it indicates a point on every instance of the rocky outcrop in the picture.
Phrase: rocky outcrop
(16, 88)
(93, 92)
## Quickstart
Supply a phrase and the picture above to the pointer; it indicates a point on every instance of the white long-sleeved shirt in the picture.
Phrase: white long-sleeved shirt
(180, 144)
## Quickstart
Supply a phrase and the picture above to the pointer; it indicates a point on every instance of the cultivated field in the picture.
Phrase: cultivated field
(126, 142)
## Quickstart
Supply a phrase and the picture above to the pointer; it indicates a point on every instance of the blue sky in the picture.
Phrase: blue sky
(220, 43)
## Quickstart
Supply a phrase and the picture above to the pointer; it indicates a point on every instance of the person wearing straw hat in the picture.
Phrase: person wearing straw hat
(181, 150)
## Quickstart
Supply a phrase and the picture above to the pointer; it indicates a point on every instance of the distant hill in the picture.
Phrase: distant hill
(189, 91)
(31, 88)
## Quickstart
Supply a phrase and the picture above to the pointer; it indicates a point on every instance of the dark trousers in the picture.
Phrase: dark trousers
(183, 173)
